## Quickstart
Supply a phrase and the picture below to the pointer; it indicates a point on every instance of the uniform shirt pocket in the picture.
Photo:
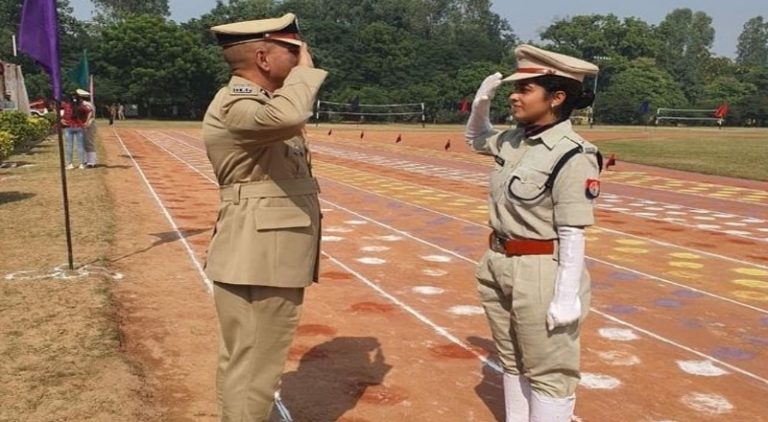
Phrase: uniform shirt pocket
(526, 185)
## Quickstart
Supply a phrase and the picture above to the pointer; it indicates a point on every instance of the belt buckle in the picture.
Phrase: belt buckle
(499, 243)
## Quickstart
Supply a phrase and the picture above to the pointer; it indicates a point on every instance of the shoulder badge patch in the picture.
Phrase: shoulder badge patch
(593, 188)
(242, 89)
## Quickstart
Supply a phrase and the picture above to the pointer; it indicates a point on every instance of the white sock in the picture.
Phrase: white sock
(517, 396)
(550, 409)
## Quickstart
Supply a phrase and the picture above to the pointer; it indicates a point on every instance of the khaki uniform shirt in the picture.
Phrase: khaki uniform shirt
(268, 227)
(520, 204)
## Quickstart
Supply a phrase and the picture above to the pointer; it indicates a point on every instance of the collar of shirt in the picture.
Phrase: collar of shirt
(552, 135)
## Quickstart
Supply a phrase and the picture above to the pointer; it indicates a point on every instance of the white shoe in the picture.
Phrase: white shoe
(69, 167)
(517, 396)
(550, 409)
(81, 166)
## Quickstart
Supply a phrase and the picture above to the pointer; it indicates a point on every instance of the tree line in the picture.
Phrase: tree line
(407, 51)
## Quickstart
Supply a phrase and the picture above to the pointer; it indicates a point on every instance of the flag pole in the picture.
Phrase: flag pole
(39, 39)
(64, 191)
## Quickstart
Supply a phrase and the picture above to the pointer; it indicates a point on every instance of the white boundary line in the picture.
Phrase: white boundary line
(617, 266)
(690, 225)
(477, 173)
(606, 181)
(168, 217)
(484, 360)
(418, 315)
(615, 232)
(620, 267)
(281, 407)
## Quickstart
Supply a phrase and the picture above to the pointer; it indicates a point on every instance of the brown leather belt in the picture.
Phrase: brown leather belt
(518, 247)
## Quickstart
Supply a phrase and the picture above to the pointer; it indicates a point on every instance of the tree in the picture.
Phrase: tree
(726, 89)
(157, 64)
(121, 9)
(686, 39)
(74, 38)
(752, 49)
(590, 36)
(642, 80)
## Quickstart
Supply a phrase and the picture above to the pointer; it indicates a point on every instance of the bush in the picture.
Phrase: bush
(6, 145)
(41, 127)
(22, 129)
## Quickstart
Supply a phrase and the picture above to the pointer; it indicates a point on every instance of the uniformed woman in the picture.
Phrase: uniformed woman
(532, 281)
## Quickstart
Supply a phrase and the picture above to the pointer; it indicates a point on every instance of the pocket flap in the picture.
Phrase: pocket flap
(527, 183)
(282, 218)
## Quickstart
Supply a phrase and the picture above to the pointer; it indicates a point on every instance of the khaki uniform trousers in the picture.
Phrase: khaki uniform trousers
(516, 292)
(257, 326)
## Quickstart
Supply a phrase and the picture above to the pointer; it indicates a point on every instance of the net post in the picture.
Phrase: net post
(423, 117)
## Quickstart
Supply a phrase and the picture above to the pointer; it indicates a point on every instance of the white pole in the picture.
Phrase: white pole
(13, 39)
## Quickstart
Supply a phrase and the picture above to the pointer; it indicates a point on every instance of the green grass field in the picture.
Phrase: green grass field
(732, 153)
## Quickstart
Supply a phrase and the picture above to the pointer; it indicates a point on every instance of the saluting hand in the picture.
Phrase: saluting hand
(305, 58)
(488, 88)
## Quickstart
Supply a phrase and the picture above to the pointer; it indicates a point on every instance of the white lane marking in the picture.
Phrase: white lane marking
(466, 310)
(618, 334)
(332, 238)
(428, 290)
(375, 249)
(712, 404)
(702, 368)
(481, 179)
(62, 272)
(334, 229)
(596, 311)
(598, 381)
(167, 214)
(418, 315)
(618, 358)
(680, 346)
(283, 410)
(615, 232)
(433, 272)
(436, 258)
(371, 261)
(390, 238)
(621, 267)
(355, 222)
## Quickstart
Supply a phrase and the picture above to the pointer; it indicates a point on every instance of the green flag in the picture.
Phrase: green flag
(79, 74)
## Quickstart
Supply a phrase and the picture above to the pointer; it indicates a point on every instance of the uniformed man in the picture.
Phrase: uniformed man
(265, 246)
(532, 281)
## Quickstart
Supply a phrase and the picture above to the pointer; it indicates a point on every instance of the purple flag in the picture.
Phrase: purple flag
(39, 38)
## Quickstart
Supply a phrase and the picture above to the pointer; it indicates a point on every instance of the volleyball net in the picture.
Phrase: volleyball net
(359, 112)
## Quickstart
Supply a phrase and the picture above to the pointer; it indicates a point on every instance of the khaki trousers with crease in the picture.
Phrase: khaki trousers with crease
(257, 325)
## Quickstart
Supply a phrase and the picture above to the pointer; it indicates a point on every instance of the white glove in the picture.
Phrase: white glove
(565, 308)
(479, 122)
